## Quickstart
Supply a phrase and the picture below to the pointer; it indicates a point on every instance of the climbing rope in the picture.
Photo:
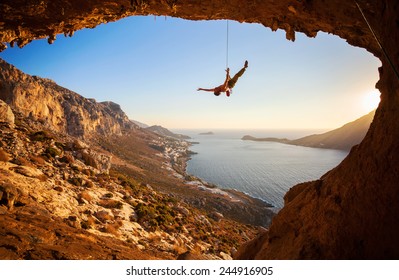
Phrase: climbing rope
(378, 41)
(227, 44)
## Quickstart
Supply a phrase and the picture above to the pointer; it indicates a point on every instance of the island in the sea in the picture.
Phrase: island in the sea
(268, 139)
(207, 133)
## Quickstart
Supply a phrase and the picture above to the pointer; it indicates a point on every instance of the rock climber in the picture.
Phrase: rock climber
(228, 84)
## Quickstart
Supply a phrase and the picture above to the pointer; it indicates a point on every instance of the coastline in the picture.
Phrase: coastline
(230, 203)
(342, 138)
(263, 171)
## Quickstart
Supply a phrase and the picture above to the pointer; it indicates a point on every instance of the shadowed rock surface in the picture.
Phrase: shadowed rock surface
(351, 212)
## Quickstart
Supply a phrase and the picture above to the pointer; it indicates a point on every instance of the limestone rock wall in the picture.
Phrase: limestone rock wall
(58, 107)
(351, 212)
(6, 114)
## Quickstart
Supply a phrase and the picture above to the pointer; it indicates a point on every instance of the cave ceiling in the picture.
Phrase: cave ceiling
(22, 21)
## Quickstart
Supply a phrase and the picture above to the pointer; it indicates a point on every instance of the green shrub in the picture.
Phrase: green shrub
(41, 136)
(76, 168)
(60, 145)
(156, 216)
(52, 152)
(76, 181)
(88, 172)
(108, 195)
(68, 158)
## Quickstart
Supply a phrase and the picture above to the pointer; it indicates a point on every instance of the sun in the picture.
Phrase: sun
(371, 100)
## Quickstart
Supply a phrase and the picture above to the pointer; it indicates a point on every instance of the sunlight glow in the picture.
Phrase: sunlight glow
(371, 100)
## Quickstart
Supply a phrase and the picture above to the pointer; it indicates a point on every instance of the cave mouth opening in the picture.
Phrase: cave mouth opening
(313, 84)
(170, 57)
(331, 218)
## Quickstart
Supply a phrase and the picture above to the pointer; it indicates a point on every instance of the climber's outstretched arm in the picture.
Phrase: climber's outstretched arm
(206, 89)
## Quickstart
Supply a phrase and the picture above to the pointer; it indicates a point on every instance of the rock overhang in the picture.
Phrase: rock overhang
(24, 21)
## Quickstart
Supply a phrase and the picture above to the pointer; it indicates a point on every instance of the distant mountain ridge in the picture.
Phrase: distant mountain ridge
(140, 124)
(166, 132)
(343, 138)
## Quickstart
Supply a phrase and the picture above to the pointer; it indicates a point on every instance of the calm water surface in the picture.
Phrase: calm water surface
(261, 169)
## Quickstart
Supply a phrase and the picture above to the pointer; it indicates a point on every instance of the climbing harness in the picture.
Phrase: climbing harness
(378, 41)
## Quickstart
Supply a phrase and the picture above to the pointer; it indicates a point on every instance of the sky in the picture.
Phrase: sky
(152, 67)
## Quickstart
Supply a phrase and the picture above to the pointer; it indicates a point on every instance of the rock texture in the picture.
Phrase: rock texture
(59, 200)
(46, 19)
(101, 191)
(351, 212)
(6, 114)
(59, 108)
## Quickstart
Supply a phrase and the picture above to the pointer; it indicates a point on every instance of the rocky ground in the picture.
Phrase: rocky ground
(65, 198)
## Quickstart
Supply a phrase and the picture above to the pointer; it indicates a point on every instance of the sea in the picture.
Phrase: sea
(265, 170)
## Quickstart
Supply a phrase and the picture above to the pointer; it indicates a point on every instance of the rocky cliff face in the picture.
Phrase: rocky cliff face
(351, 212)
(61, 109)
(60, 199)
(57, 204)
(6, 114)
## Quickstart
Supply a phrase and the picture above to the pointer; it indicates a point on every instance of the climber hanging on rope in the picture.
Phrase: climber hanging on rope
(228, 84)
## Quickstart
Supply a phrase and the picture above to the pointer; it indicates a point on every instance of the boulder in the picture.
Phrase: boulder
(216, 216)
(6, 114)
(8, 195)
(28, 171)
(97, 160)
